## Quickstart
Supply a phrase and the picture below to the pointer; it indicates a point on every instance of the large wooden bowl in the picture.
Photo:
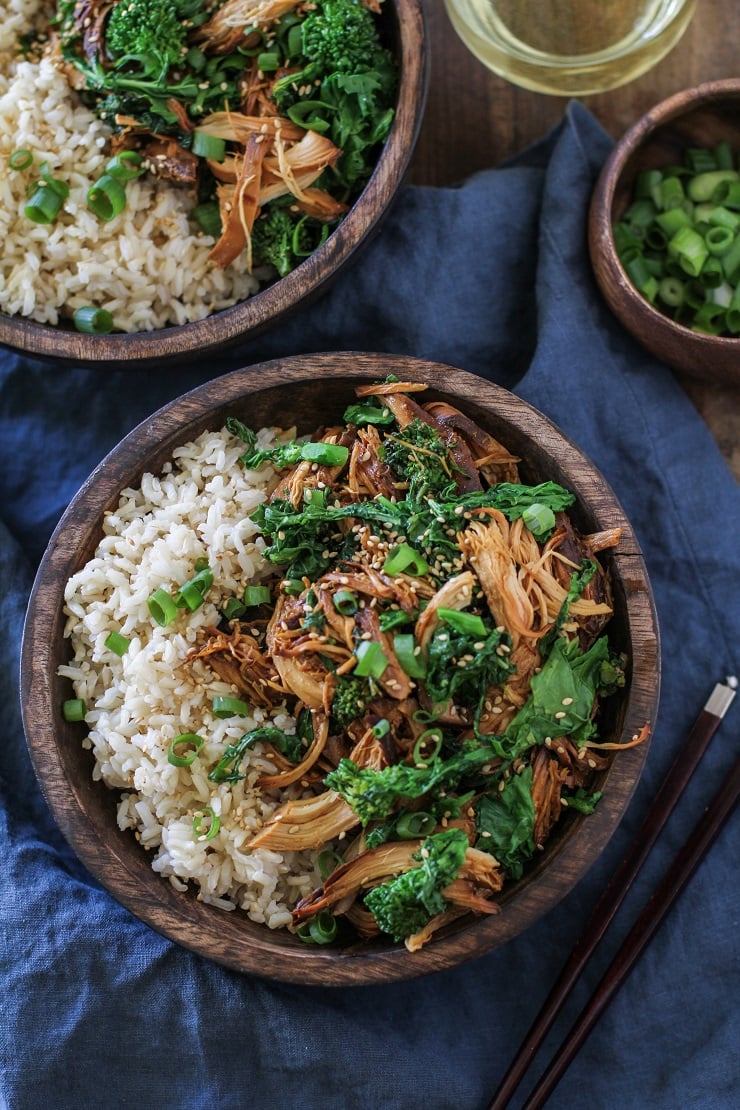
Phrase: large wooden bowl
(404, 31)
(310, 390)
(698, 117)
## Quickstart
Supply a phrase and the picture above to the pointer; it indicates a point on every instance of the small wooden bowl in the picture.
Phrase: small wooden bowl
(405, 32)
(312, 390)
(701, 116)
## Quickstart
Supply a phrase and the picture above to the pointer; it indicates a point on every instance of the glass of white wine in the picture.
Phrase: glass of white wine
(570, 47)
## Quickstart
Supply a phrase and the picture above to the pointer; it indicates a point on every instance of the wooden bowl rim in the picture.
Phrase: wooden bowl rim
(268, 306)
(602, 248)
(128, 876)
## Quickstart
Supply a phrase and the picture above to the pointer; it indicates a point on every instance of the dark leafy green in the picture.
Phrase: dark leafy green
(562, 698)
(227, 769)
(404, 905)
(505, 823)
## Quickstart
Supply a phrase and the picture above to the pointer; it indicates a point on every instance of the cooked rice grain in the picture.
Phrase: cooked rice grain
(137, 704)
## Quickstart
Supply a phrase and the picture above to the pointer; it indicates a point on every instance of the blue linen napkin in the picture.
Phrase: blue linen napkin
(492, 276)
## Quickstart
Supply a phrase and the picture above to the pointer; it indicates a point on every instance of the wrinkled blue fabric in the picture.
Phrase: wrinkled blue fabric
(492, 276)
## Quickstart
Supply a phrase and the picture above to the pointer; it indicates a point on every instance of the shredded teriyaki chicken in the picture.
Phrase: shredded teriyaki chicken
(435, 627)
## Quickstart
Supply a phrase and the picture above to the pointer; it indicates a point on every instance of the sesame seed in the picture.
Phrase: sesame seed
(567, 701)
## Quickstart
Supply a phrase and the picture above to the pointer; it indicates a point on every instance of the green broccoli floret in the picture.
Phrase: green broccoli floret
(272, 240)
(405, 904)
(340, 36)
(351, 698)
(150, 29)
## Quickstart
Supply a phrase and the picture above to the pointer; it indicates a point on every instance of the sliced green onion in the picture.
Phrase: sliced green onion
(328, 454)
(670, 222)
(408, 653)
(44, 205)
(126, 165)
(701, 160)
(722, 217)
(403, 559)
(712, 275)
(381, 728)
(20, 160)
(224, 707)
(54, 183)
(268, 61)
(233, 608)
(117, 643)
(93, 321)
(411, 825)
(162, 607)
(192, 594)
(702, 187)
(371, 660)
(294, 40)
(719, 239)
(208, 146)
(670, 193)
(106, 198)
(322, 930)
(646, 181)
(73, 709)
(732, 316)
(469, 623)
(208, 218)
(187, 740)
(293, 587)
(672, 291)
(727, 194)
(427, 746)
(345, 602)
(201, 563)
(328, 861)
(731, 262)
(256, 595)
(540, 519)
(640, 276)
(206, 824)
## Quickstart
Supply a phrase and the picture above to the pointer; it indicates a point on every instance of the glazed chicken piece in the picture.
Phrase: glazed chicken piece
(237, 658)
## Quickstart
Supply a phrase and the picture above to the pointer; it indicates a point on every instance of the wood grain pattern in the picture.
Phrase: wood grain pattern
(703, 117)
(314, 389)
(404, 29)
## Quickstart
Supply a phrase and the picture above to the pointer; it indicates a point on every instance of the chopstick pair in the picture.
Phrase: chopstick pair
(665, 894)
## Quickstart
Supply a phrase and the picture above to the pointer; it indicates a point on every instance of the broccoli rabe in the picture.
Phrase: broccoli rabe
(351, 698)
(405, 904)
(283, 239)
(147, 29)
(341, 36)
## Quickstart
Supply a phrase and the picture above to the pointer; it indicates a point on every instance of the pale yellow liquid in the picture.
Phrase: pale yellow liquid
(570, 47)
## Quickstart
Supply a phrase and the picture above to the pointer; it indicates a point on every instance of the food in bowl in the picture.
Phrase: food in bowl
(679, 239)
(163, 159)
(348, 684)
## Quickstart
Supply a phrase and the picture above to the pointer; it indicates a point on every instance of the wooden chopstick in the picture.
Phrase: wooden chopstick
(665, 894)
(664, 803)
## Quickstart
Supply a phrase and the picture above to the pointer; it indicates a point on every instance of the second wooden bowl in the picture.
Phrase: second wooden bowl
(698, 117)
(404, 31)
(311, 390)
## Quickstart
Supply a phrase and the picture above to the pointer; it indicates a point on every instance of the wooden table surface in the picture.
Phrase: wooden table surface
(474, 120)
